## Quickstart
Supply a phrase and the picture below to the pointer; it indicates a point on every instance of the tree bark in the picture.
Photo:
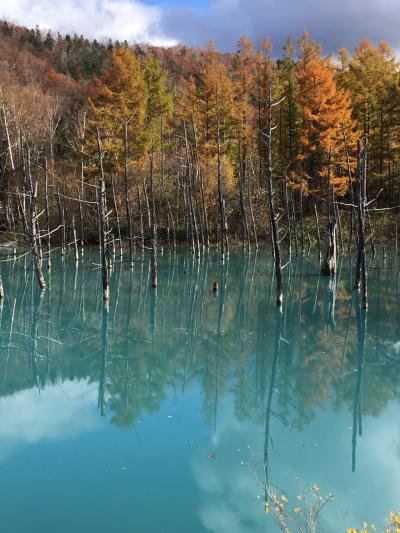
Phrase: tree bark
(271, 203)
(329, 264)
(102, 222)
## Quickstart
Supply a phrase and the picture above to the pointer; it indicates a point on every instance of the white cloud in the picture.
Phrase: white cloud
(321, 454)
(59, 412)
(334, 24)
(129, 20)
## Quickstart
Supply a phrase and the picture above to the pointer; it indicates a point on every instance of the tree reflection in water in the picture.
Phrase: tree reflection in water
(151, 342)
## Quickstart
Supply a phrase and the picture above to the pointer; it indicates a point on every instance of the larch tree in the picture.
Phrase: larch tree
(371, 78)
(121, 97)
(158, 106)
(289, 120)
(244, 73)
(326, 111)
(216, 133)
(117, 112)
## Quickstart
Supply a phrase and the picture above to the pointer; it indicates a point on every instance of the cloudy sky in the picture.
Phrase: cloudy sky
(334, 23)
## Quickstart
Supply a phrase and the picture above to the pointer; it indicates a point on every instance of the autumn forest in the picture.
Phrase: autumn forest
(183, 137)
(258, 190)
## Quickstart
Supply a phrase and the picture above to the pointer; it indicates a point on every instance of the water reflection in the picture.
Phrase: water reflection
(233, 344)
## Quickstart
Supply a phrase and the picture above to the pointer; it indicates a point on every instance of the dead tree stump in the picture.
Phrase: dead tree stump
(329, 263)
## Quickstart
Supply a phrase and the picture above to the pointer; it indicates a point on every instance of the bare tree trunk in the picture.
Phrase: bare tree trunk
(140, 208)
(117, 216)
(32, 226)
(337, 215)
(76, 250)
(330, 261)
(47, 214)
(9, 145)
(1, 289)
(154, 280)
(199, 208)
(22, 210)
(253, 220)
(190, 194)
(61, 214)
(329, 264)
(288, 218)
(81, 219)
(80, 190)
(271, 203)
(146, 199)
(243, 216)
(127, 200)
(371, 231)
(350, 188)
(204, 209)
(103, 222)
(34, 238)
(361, 271)
(223, 221)
(318, 230)
(296, 248)
(301, 215)
(225, 228)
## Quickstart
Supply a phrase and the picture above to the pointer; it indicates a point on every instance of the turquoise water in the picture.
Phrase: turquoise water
(156, 416)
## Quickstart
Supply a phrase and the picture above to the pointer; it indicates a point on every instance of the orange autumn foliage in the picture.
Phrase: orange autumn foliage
(327, 125)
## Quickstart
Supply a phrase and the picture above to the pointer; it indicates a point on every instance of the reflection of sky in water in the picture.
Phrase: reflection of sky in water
(184, 405)
(219, 492)
(59, 412)
(322, 452)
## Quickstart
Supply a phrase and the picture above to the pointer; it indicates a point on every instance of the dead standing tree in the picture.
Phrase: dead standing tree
(104, 251)
(33, 234)
(127, 199)
(1, 288)
(31, 224)
(47, 210)
(271, 203)
(361, 271)
(221, 199)
(153, 228)
(329, 263)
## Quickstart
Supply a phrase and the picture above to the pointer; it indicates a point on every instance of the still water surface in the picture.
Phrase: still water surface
(140, 419)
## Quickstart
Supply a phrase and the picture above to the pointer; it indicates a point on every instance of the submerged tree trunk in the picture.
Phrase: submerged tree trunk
(1, 288)
(329, 264)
